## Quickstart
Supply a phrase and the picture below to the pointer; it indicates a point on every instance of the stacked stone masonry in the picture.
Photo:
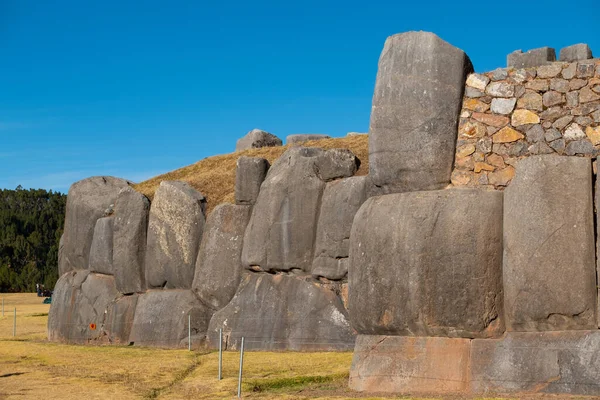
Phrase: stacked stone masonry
(509, 114)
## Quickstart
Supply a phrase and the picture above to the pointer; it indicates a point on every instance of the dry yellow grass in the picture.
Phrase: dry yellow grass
(214, 176)
(32, 316)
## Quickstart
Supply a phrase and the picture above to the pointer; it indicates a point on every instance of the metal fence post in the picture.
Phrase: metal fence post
(189, 332)
(241, 367)
(15, 323)
(220, 353)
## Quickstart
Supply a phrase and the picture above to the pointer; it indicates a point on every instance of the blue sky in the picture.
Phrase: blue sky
(137, 88)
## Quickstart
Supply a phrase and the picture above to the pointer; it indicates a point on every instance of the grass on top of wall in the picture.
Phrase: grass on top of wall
(214, 176)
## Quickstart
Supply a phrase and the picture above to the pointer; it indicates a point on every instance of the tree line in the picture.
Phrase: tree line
(31, 223)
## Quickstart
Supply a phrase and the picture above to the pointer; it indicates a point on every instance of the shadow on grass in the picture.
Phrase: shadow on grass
(297, 382)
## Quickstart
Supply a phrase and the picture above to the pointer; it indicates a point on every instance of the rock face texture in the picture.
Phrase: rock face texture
(305, 137)
(341, 201)
(219, 267)
(257, 138)
(557, 111)
(283, 312)
(82, 299)
(549, 262)
(88, 200)
(428, 264)
(575, 52)
(175, 228)
(416, 105)
(129, 244)
(281, 232)
(549, 362)
(161, 318)
(119, 319)
(101, 251)
(250, 174)
(531, 58)
(397, 364)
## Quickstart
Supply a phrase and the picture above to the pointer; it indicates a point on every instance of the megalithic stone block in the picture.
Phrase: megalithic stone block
(575, 52)
(175, 228)
(129, 244)
(531, 58)
(416, 106)
(549, 263)
(219, 265)
(428, 264)
(250, 174)
(101, 251)
(88, 200)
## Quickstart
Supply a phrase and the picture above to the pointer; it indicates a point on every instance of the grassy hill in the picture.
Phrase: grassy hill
(214, 177)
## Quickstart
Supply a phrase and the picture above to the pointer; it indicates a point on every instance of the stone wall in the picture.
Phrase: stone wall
(509, 114)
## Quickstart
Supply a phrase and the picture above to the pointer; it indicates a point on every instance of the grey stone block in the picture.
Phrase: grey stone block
(279, 312)
(341, 201)
(119, 319)
(416, 106)
(335, 164)
(87, 201)
(175, 228)
(531, 58)
(565, 362)
(304, 137)
(161, 318)
(250, 174)
(130, 236)
(101, 251)
(219, 265)
(257, 138)
(575, 52)
(549, 263)
(282, 229)
(428, 264)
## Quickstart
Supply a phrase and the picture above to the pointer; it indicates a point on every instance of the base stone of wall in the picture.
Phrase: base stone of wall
(565, 362)
(523, 363)
(401, 364)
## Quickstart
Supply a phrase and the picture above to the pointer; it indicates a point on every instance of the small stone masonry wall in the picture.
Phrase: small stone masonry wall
(509, 114)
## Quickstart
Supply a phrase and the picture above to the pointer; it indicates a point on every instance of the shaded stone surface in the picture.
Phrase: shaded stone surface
(161, 318)
(531, 58)
(250, 174)
(336, 163)
(130, 236)
(281, 232)
(428, 264)
(341, 201)
(575, 52)
(87, 201)
(79, 305)
(257, 138)
(119, 319)
(305, 137)
(396, 364)
(416, 106)
(280, 312)
(549, 263)
(174, 231)
(566, 362)
(101, 251)
(219, 265)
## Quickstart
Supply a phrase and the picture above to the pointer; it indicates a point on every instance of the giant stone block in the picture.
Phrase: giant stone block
(531, 58)
(285, 313)
(250, 174)
(341, 200)
(397, 364)
(416, 106)
(549, 263)
(119, 319)
(566, 362)
(87, 201)
(129, 247)
(174, 231)
(101, 251)
(161, 318)
(219, 265)
(428, 264)
(257, 138)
